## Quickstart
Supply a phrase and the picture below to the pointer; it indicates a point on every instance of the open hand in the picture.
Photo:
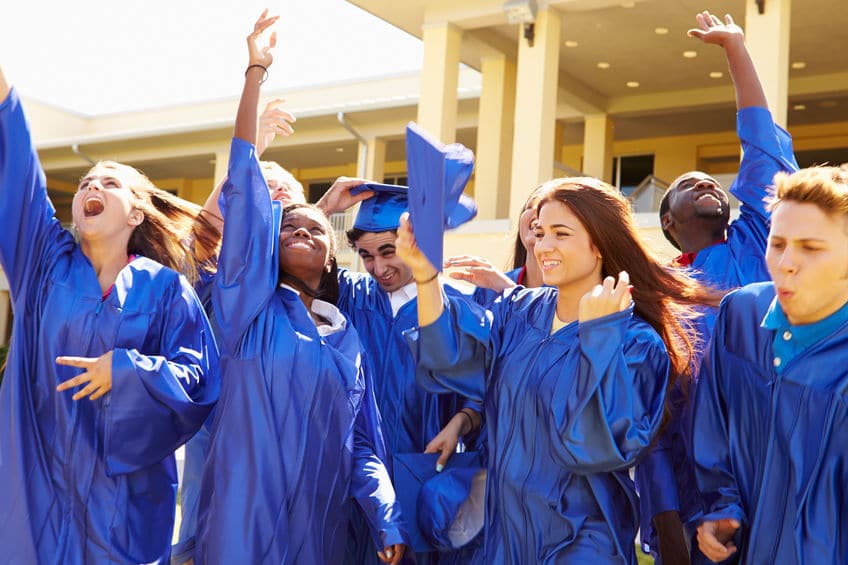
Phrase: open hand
(338, 197)
(97, 375)
(259, 44)
(712, 30)
(605, 299)
(274, 121)
(479, 272)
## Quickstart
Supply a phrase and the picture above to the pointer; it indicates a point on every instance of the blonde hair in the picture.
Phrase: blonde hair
(273, 170)
(826, 187)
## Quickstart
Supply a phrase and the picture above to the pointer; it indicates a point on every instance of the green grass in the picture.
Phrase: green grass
(644, 559)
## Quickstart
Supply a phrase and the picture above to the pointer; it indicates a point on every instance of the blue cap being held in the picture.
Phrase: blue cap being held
(382, 211)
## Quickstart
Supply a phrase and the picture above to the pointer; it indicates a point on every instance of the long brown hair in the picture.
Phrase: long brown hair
(173, 231)
(666, 298)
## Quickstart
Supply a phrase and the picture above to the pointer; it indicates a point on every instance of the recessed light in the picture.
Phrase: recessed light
(603, 65)
(716, 74)
(339, 149)
(632, 84)
(690, 54)
(829, 104)
(661, 30)
(571, 43)
(798, 65)
(628, 4)
(799, 107)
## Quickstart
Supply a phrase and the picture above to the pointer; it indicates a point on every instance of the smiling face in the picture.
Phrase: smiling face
(306, 247)
(377, 250)
(564, 250)
(104, 205)
(807, 258)
(696, 200)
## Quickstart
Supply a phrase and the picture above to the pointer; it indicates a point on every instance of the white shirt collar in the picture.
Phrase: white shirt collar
(327, 311)
(402, 295)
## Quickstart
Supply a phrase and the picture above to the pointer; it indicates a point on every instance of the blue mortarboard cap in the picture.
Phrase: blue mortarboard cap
(437, 174)
(382, 211)
(444, 510)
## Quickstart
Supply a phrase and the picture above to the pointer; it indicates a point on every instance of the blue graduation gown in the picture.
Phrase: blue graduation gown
(567, 415)
(90, 482)
(665, 478)
(411, 416)
(770, 448)
(296, 432)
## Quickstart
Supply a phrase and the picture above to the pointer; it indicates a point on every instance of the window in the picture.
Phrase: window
(629, 171)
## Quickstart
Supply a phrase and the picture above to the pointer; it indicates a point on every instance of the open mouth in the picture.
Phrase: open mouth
(708, 196)
(92, 207)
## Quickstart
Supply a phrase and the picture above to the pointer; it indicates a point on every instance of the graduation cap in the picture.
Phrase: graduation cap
(444, 511)
(382, 211)
(437, 175)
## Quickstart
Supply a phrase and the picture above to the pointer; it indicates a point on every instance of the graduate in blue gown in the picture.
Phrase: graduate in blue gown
(382, 307)
(694, 215)
(206, 240)
(491, 282)
(575, 378)
(296, 437)
(771, 415)
(112, 363)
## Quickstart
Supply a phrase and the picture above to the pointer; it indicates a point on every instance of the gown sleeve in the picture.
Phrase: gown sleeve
(767, 150)
(452, 353)
(158, 401)
(371, 485)
(608, 415)
(248, 262)
(26, 214)
(710, 438)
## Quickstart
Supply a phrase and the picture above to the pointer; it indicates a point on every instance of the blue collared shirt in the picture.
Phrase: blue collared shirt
(791, 341)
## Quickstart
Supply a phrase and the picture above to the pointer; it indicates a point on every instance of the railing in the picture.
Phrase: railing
(647, 195)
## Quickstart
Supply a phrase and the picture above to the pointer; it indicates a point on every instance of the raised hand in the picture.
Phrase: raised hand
(715, 538)
(274, 121)
(407, 249)
(605, 299)
(97, 375)
(478, 272)
(258, 44)
(713, 30)
(338, 198)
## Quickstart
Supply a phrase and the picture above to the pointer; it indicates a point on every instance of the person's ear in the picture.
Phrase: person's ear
(665, 221)
(136, 217)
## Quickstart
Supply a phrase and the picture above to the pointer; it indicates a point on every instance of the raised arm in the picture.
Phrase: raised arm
(26, 214)
(274, 121)
(247, 266)
(728, 35)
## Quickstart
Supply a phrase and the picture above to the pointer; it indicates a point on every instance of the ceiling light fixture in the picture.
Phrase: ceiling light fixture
(661, 30)
(798, 65)
(690, 54)
(632, 84)
(603, 65)
(799, 107)
(716, 74)
(571, 43)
